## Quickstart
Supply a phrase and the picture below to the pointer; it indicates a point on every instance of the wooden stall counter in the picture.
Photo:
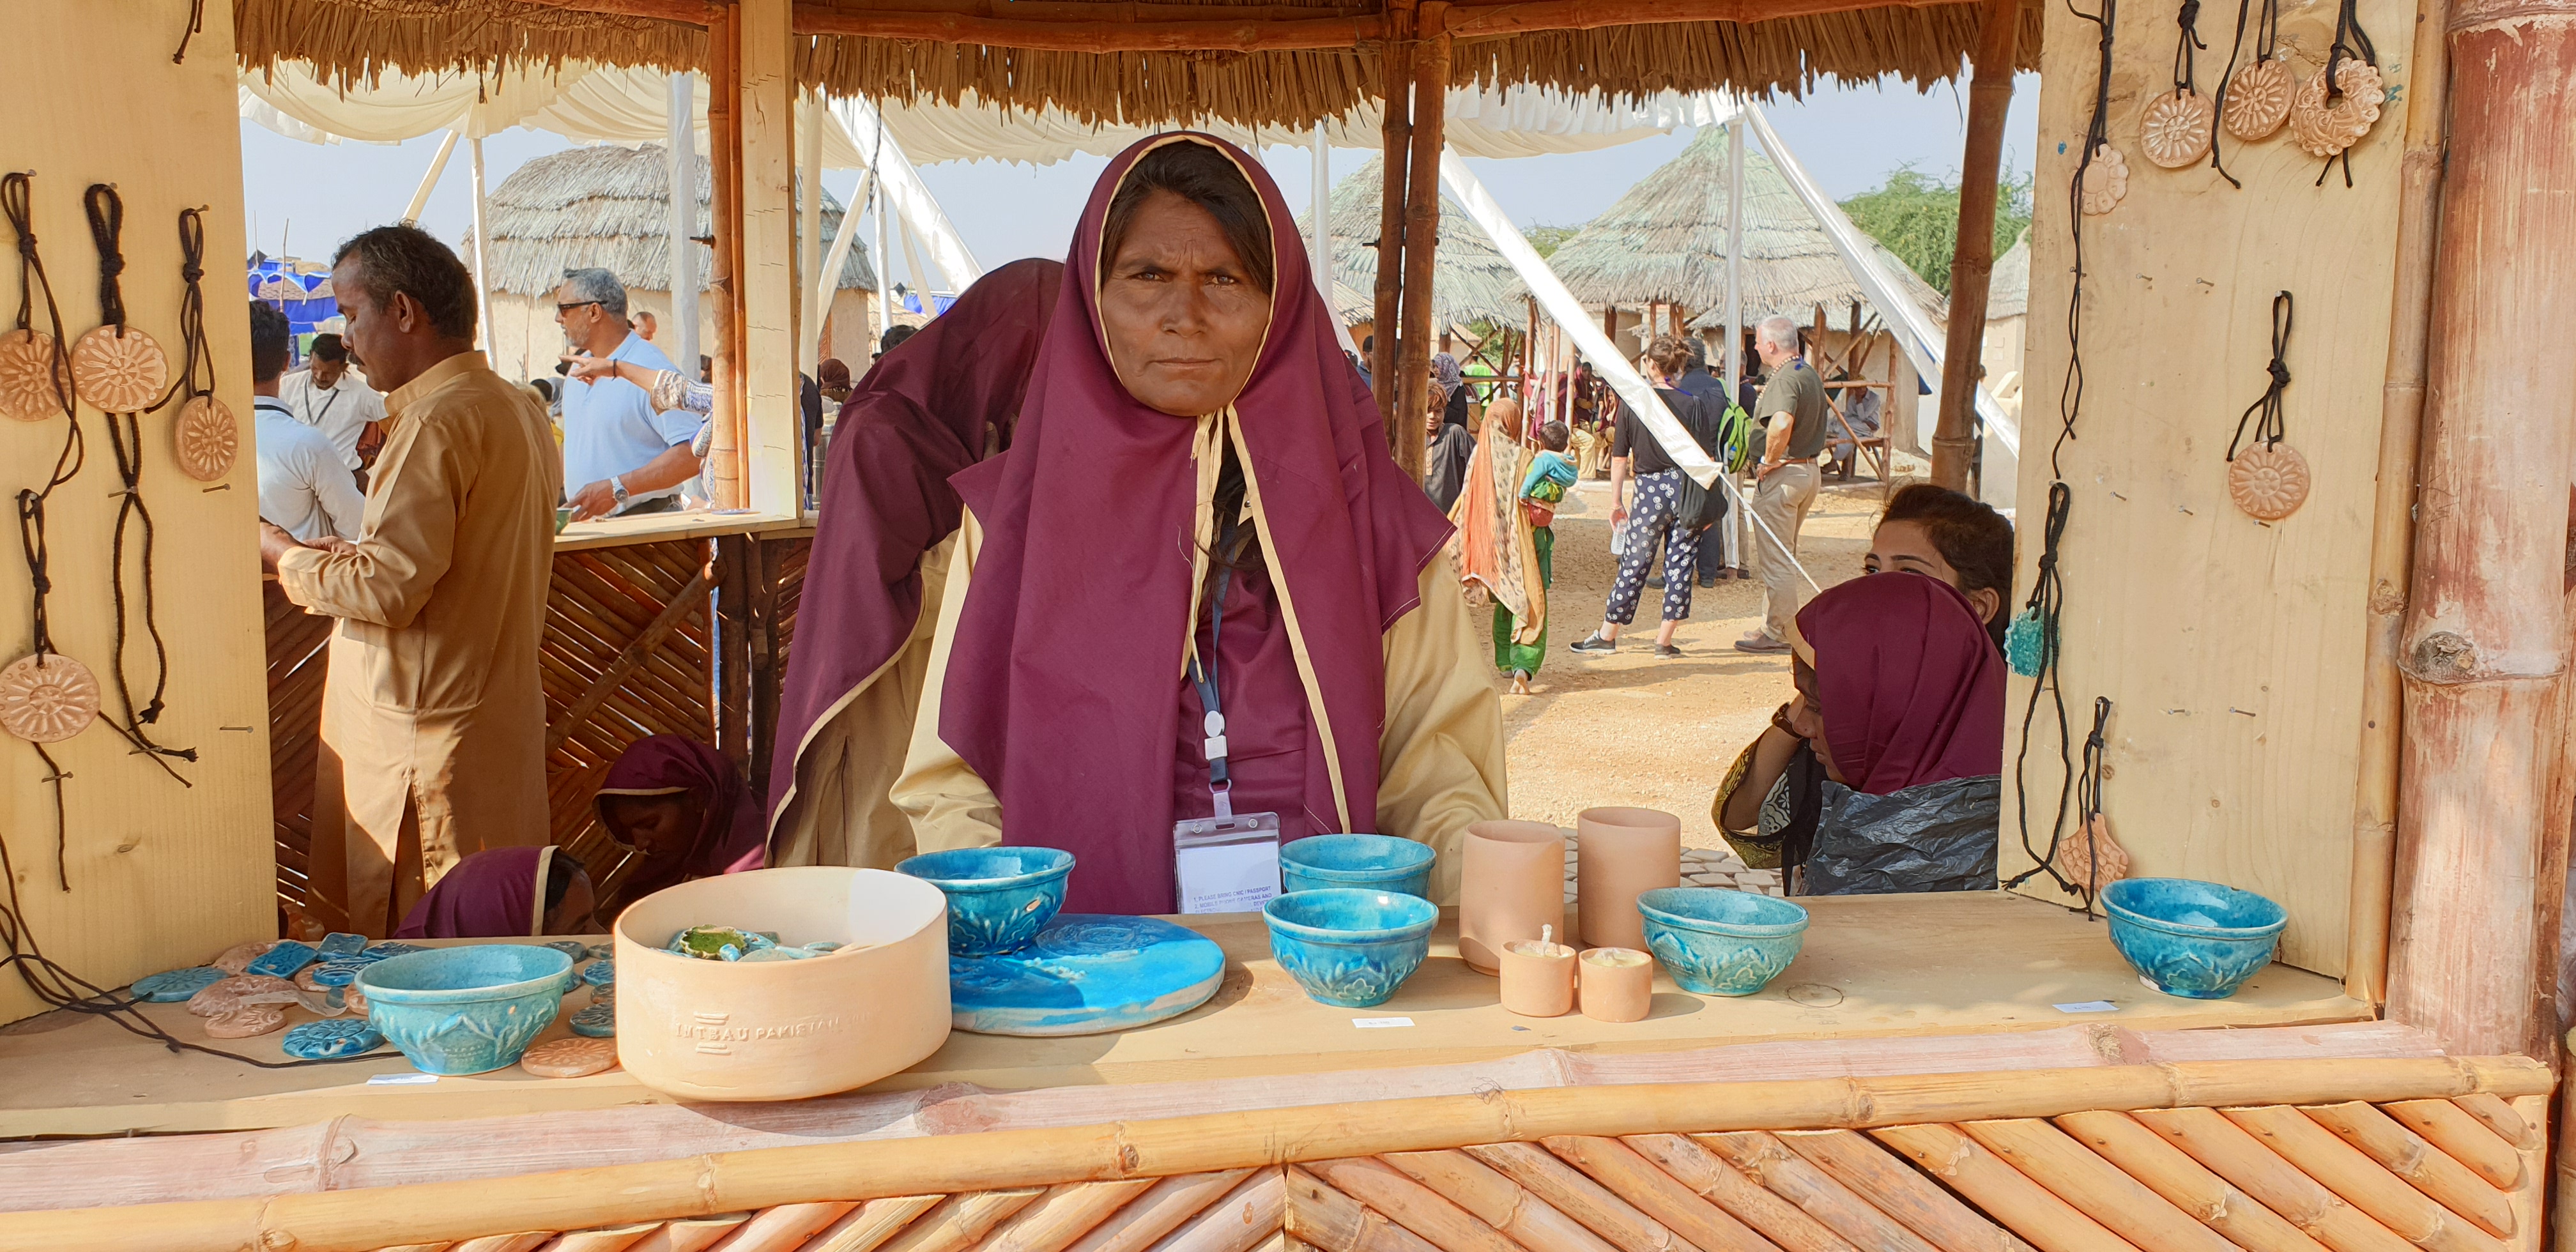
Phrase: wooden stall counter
(1873, 967)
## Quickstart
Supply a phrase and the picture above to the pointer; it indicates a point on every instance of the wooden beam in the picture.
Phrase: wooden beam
(1395, 143)
(1972, 263)
(773, 426)
(1074, 27)
(630, 659)
(1421, 234)
(724, 282)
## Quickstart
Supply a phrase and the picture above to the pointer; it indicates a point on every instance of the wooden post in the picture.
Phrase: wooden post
(1395, 144)
(1421, 231)
(767, 562)
(724, 168)
(2401, 426)
(735, 573)
(1954, 439)
(2484, 649)
(770, 427)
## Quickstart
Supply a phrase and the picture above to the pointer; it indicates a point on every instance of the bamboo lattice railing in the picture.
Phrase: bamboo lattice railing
(297, 641)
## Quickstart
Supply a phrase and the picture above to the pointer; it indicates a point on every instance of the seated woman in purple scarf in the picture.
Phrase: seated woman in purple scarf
(507, 893)
(681, 808)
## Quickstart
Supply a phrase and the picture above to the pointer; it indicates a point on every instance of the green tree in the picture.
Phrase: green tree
(1546, 238)
(1917, 217)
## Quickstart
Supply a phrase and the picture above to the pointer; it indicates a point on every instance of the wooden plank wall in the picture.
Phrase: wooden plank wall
(2230, 648)
(161, 874)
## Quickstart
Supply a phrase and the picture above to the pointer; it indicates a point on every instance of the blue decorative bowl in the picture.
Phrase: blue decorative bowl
(1718, 942)
(466, 1010)
(1350, 948)
(1361, 862)
(998, 898)
(2193, 939)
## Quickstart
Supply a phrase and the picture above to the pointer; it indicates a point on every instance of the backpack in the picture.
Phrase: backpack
(1738, 439)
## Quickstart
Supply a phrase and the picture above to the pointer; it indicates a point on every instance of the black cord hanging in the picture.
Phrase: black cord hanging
(193, 349)
(2351, 43)
(2097, 135)
(2267, 29)
(196, 27)
(2088, 802)
(106, 211)
(2269, 429)
(2046, 607)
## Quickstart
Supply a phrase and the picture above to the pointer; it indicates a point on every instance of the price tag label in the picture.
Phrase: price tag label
(1380, 1023)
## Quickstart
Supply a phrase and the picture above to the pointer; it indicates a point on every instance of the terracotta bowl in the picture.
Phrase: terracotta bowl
(784, 1030)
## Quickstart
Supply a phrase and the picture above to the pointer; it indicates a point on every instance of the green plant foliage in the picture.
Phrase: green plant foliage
(1917, 217)
(1546, 238)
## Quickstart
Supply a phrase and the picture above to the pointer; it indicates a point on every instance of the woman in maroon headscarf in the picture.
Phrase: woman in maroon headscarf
(507, 893)
(1885, 773)
(1193, 437)
(681, 808)
(929, 408)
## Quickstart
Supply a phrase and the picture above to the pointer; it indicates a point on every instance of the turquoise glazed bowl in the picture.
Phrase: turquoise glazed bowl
(998, 898)
(1347, 947)
(2193, 939)
(1364, 862)
(466, 1010)
(1721, 943)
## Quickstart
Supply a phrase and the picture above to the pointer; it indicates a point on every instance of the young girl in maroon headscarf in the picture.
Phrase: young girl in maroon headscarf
(1198, 482)
(682, 809)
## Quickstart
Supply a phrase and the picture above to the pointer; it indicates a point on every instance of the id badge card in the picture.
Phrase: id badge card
(1226, 864)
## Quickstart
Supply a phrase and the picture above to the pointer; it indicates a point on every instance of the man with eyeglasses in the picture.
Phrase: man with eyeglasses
(627, 458)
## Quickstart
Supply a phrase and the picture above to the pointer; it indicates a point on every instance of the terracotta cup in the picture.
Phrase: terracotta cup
(1538, 976)
(1513, 884)
(1620, 853)
(1618, 984)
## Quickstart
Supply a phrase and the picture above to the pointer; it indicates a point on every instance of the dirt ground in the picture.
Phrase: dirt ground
(1629, 728)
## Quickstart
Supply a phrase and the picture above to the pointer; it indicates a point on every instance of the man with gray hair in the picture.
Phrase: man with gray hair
(1792, 408)
(621, 457)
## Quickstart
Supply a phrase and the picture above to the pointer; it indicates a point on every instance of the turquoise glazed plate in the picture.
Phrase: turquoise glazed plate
(1086, 974)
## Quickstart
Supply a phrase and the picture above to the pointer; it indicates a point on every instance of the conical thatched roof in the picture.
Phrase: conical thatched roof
(608, 206)
(2008, 290)
(1471, 281)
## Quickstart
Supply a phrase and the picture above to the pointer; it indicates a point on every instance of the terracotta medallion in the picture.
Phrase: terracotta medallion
(26, 376)
(47, 698)
(2175, 131)
(570, 1058)
(119, 373)
(246, 1023)
(2258, 99)
(2106, 180)
(207, 439)
(2324, 129)
(235, 959)
(2269, 481)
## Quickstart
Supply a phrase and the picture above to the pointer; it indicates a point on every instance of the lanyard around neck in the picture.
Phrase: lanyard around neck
(1220, 785)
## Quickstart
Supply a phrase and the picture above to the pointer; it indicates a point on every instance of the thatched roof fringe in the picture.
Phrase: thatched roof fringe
(2008, 288)
(1470, 280)
(1665, 241)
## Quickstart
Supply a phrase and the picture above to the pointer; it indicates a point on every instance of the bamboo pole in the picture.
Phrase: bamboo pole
(2185, 1183)
(724, 468)
(695, 1234)
(2030, 1209)
(526, 1242)
(1421, 231)
(866, 1228)
(1065, 1213)
(2500, 1117)
(786, 1227)
(1764, 1159)
(2401, 1152)
(1395, 145)
(1412, 1205)
(1326, 1218)
(1498, 1201)
(2053, 1159)
(1256, 1209)
(1972, 259)
(759, 1178)
(1717, 1182)
(2360, 1180)
(429, 180)
(1160, 1211)
(1631, 1177)
(2484, 646)
(608, 1239)
(961, 1221)
(2228, 1151)
(1578, 1197)
(1900, 1191)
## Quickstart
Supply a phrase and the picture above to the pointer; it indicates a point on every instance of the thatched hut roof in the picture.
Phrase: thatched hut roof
(350, 39)
(608, 206)
(2008, 290)
(1470, 282)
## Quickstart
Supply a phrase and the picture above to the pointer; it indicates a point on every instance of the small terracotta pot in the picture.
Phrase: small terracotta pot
(1513, 885)
(1538, 976)
(1620, 853)
(1618, 984)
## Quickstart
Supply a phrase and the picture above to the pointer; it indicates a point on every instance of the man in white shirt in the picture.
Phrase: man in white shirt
(326, 396)
(304, 488)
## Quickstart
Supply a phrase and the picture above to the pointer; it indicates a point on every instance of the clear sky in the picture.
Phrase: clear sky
(303, 198)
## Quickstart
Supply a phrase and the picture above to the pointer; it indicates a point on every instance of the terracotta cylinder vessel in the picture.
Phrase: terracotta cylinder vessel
(1538, 976)
(1619, 853)
(1514, 884)
(1618, 984)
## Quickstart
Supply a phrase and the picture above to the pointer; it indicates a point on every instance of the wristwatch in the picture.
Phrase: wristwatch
(617, 487)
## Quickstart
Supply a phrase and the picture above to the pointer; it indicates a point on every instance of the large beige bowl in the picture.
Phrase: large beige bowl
(783, 1030)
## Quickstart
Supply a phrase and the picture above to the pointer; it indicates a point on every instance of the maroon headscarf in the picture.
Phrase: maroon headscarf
(492, 894)
(1912, 687)
(670, 765)
(1065, 670)
(918, 417)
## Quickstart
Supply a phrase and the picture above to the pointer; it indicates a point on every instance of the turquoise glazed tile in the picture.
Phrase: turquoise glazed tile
(172, 986)
(1366, 862)
(283, 960)
(570, 947)
(1350, 948)
(600, 973)
(339, 943)
(466, 1010)
(1086, 974)
(343, 1036)
(379, 951)
(1719, 942)
(998, 898)
(599, 1021)
(602, 951)
(339, 973)
(2198, 940)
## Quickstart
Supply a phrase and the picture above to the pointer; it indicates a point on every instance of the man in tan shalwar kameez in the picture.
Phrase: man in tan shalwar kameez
(433, 720)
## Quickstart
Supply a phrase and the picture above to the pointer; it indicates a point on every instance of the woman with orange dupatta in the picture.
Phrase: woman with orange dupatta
(1500, 554)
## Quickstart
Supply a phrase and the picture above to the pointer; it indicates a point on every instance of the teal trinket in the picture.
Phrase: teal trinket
(573, 948)
(1085, 974)
(323, 1040)
(2026, 643)
(172, 986)
(599, 1021)
(341, 943)
(602, 951)
(339, 973)
(379, 951)
(283, 960)
(600, 974)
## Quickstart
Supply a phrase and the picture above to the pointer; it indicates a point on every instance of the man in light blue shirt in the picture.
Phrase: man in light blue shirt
(627, 458)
